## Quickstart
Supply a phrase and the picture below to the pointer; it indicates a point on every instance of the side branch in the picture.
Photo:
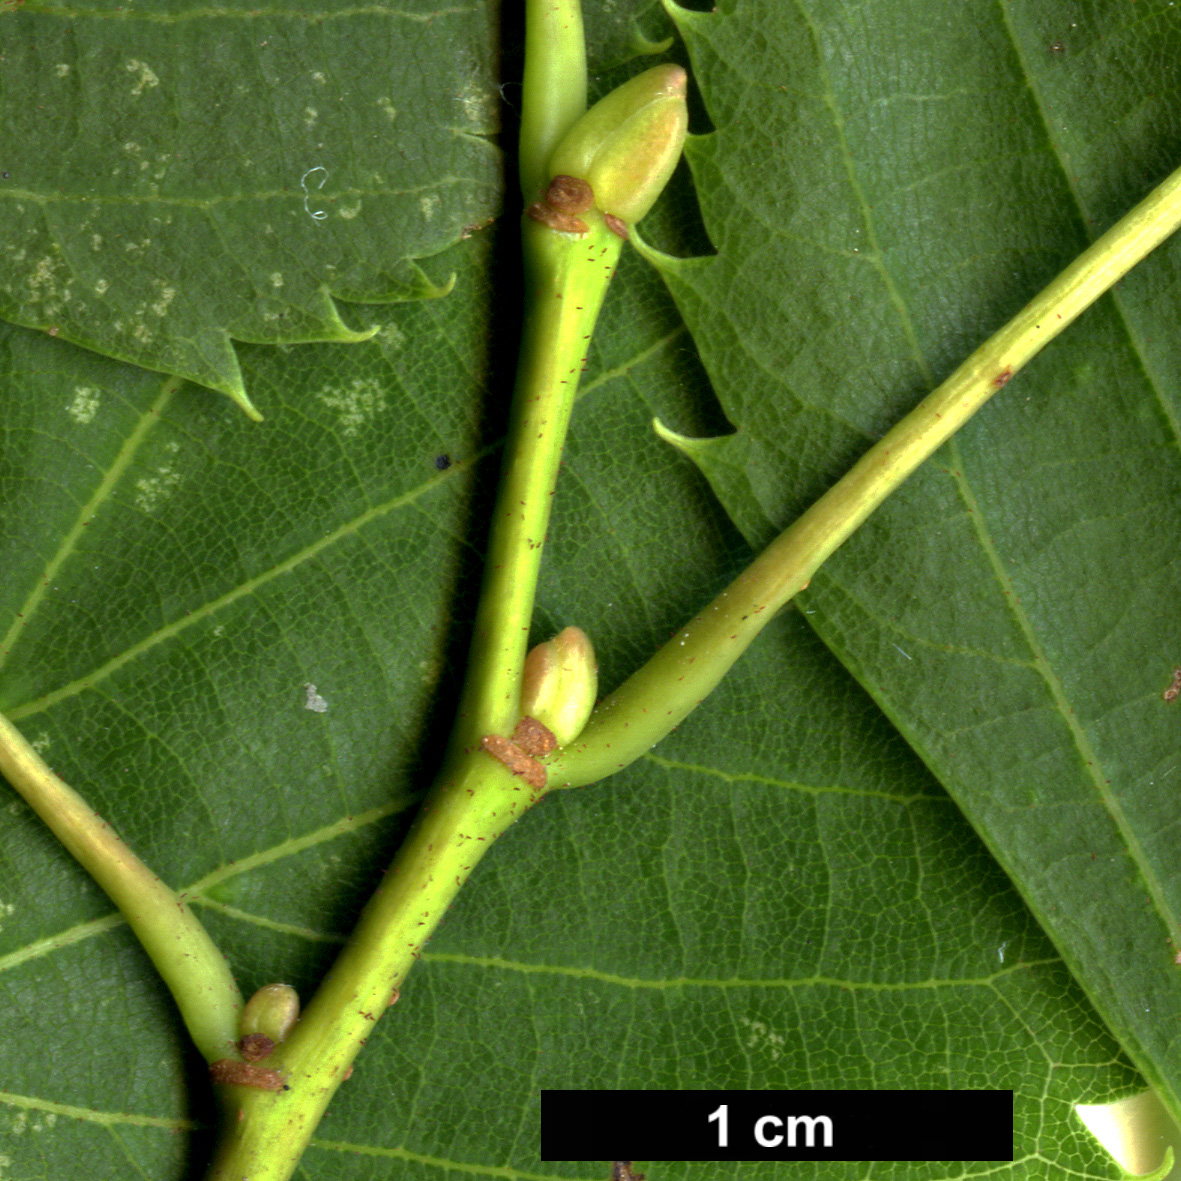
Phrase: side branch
(194, 969)
(658, 697)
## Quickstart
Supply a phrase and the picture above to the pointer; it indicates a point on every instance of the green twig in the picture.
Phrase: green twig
(569, 262)
(553, 89)
(266, 1132)
(661, 694)
(566, 280)
(476, 798)
(193, 968)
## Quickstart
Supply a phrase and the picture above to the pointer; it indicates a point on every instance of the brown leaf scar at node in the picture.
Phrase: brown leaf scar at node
(246, 1074)
(565, 223)
(255, 1046)
(569, 194)
(616, 225)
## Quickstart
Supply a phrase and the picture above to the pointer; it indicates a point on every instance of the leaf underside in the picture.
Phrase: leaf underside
(1012, 609)
(176, 180)
(783, 894)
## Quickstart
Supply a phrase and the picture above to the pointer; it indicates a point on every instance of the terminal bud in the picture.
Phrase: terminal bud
(560, 683)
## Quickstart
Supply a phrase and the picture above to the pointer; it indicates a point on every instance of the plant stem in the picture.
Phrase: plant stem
(266, 1133)
(566, 280)
(654, 700)
(476, 798)
(193, 968)
(553, 89)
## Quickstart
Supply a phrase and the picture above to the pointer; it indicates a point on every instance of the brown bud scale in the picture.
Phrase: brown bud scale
(569, 194)
(534, 738)
(565, 223)
(253, 1046)
(616, 225)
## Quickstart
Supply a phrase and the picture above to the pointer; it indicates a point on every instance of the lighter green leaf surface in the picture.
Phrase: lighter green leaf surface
(908, 175)
(242, 642)
(177, 178)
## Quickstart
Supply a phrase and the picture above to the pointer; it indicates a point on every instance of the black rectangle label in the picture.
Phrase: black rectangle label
(777, 1125)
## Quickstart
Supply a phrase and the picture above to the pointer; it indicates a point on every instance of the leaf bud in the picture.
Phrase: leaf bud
(627, 145)
(271, 1013)
(560, 683)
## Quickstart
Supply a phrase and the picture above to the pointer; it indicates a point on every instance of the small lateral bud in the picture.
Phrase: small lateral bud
(631, 172)
(560, 683)
(271, 1012)
(627, 145)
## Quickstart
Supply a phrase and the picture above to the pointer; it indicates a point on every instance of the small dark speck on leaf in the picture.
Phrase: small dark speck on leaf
(442, 462)
(6, 175)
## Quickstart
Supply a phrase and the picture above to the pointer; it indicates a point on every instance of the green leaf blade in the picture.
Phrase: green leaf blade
(208, 178)
(1007, 607)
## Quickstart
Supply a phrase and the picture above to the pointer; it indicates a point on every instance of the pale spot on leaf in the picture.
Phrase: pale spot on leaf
(763, 1038)
(167, 295)
(85, 404)
(145, 76)
(152, 491)
(356, 403)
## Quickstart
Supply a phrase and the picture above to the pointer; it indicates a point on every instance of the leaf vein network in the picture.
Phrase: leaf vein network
(106, 486)
(90, 1115)
(1069, 178)
(1091, 764)
(250, 586)
(905, 799)
(195, 893)
(503, 1171)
